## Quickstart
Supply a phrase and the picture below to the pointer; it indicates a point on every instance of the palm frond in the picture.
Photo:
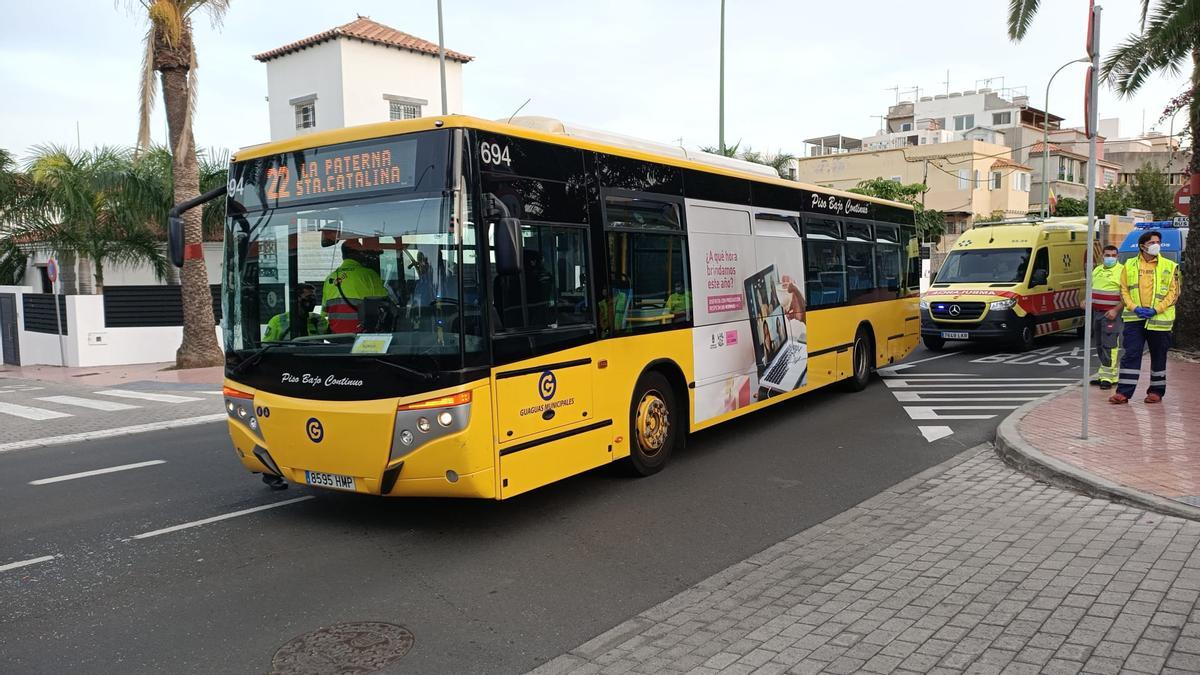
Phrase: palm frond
(147, 92)
(1170, 35)
(1020, 16)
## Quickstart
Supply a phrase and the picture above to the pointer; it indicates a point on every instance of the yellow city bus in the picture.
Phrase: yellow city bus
(547, 300)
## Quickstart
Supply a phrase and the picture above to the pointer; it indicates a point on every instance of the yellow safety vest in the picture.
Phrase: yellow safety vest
(356, 282)
(1106, 288)
(1164, 275)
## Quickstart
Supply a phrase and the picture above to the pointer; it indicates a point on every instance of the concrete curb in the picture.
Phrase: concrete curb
(1012, 447)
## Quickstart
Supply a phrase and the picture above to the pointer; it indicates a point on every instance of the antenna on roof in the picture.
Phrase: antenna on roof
(510, 117)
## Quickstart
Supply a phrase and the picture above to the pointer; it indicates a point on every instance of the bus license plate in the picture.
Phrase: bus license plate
(329, 480)
(949, 335)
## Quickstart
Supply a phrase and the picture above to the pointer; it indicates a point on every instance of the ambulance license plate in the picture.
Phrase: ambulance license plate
(950, 335)
(329, 480)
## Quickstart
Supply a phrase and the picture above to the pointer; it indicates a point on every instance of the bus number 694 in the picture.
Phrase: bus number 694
(492, 153)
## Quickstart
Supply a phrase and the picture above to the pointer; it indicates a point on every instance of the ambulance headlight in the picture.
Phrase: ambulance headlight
(998, 305)
(924, 303)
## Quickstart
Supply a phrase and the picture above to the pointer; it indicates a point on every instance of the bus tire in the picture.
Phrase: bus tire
(862, 355)
(655, 424)
(933, 343)
(1025, 338)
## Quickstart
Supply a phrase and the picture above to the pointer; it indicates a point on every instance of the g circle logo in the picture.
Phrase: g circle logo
(547, 385)
(315, 431)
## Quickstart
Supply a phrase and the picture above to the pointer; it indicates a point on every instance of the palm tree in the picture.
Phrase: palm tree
(778, 161)
(15, 190)
(171, 52)
(1167, 39)
(89, 204)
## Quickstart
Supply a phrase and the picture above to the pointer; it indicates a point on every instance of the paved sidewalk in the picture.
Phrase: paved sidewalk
(113, 375)
(970, 567)
(1143, 448)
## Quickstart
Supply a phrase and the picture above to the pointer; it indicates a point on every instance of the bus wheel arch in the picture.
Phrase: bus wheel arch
(658, 415)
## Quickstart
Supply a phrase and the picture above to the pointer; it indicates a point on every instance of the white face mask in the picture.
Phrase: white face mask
(1152, 250)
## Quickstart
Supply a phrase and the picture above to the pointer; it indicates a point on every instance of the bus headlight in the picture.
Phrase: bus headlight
(423, 424)
(999, 305)
(444, 418)
(924, 303)
(406, 437)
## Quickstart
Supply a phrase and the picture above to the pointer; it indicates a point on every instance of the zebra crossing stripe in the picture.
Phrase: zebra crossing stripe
(92, 403)
(31, 413)
(147, 396)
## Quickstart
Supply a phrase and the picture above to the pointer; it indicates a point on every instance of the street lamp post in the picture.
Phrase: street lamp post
(442, 57)
(1046, 138)
(721, 95)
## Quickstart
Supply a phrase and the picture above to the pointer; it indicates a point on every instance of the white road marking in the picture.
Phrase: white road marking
(214, 519)
(932, 434)
(96, 472)
(147, 396)
(919, 396)
(23, 563)
(910, 364)
(109, 433)
(982, 391)
(88, 403)
(31, 413)
(930, 412)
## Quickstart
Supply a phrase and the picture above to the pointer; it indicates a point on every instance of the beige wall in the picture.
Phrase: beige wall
(937, 166)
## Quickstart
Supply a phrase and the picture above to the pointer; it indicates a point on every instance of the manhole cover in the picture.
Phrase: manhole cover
(357, 647)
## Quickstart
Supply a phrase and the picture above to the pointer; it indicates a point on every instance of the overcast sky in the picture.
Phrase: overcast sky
(794, 69)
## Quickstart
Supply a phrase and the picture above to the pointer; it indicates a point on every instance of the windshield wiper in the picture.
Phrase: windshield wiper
(427, 377)
(257, 354)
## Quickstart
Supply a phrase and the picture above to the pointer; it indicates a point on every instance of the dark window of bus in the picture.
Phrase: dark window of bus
(533, 199)
(533, 159)
(632, 174)
(856, 229)
(551, 290)
(860, 270)
(825, 273)
(822, 227)
(716, 188)
(649, 287)
(888, 264)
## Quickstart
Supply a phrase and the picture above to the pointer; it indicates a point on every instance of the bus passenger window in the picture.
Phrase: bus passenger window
(551, 290)
(826, 273)
(860, 270)
(648, 282)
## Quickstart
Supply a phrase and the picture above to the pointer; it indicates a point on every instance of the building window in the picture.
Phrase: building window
(906, 126)
(306, 115)
(996, 178)
(399, 110)
(962, 179)
(963, 122)
(975, 180)
(1002, 118)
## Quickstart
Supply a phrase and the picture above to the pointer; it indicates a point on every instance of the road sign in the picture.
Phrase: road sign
(52, 269)
(1183, 199)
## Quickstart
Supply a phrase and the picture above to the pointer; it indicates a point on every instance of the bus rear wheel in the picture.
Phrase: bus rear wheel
(862, 356)
(654, 424)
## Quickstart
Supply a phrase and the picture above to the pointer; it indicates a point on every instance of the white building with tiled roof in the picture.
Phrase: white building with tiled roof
(357, 73)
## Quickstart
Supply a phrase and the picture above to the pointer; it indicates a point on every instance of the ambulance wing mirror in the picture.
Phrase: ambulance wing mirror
(509, 253)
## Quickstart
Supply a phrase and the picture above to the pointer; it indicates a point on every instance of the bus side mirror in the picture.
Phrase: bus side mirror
(1039, 278)
(175, 240)
(509, 253)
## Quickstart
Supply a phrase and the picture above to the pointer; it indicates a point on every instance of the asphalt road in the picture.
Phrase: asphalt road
(483, 586)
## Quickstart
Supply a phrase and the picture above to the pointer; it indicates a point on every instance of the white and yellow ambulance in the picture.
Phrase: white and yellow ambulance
(1008, 282)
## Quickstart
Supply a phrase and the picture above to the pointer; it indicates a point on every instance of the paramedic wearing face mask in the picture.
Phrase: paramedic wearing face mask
(1149, 289)
(1106, 317)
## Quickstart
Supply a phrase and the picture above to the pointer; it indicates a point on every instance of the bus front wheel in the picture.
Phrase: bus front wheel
(654, 424)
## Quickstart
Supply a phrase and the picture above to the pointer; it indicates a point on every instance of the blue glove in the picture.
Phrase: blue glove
(1144, 312)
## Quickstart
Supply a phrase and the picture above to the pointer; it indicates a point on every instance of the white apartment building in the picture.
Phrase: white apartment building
(357, 73)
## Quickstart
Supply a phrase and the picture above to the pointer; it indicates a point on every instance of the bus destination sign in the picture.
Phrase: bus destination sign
(328, 172)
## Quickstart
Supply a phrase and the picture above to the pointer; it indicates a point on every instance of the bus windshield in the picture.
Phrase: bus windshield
(379, 275)
(991, 265)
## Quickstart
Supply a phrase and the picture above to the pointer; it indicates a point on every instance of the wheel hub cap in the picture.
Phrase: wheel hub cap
(653, 423)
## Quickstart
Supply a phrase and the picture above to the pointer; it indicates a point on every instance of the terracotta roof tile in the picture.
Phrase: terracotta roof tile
(363, 28)
(1002, 162)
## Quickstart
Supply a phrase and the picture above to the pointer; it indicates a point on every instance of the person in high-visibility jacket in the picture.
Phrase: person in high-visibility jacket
(1106, 316)
(279, 328)
(356, 278)
(1149, 289)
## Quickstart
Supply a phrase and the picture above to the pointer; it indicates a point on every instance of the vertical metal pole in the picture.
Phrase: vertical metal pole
(62, 347)
(1046, 151)
(1093, 95)
(442, 57)
(721, 96)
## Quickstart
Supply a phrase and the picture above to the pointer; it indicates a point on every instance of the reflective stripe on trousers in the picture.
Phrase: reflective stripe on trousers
(1136, 338)
(1108, 349)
